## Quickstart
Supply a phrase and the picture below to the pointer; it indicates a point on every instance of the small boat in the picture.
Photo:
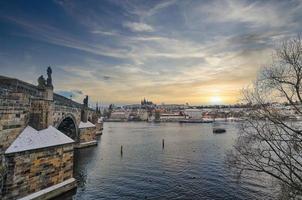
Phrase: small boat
(219, 130)
(190, 121)
(195, 121)
(207, 120)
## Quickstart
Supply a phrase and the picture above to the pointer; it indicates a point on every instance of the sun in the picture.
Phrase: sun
(215, 100)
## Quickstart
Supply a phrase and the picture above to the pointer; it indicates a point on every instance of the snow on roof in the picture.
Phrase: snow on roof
(100, 120)
(31, 139)
(87, 124)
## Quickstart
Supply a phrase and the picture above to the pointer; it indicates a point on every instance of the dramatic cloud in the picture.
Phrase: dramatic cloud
(138, 27)
(168, 51)
(255, 13)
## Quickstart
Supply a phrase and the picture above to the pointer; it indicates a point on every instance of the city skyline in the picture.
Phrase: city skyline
(200, 52)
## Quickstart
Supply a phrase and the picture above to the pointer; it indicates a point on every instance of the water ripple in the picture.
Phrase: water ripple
(191, 166)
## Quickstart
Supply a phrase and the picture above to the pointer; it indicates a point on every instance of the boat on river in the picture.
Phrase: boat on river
(219, 130)
(196, 121)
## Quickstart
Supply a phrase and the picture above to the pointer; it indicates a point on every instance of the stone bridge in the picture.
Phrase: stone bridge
(26, 110)
(61, 112)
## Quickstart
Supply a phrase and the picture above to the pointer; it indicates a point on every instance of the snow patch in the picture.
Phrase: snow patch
(87, 124)
(100, 120)
(30, 139)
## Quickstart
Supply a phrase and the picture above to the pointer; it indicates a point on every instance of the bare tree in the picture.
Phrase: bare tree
(270, 140)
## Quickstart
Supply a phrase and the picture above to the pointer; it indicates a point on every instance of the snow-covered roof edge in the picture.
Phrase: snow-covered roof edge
(87, 124)
(31, 139)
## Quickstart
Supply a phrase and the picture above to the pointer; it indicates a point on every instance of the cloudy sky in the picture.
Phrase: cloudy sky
(119, 51)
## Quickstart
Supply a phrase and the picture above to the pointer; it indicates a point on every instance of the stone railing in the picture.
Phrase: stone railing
(61, 100)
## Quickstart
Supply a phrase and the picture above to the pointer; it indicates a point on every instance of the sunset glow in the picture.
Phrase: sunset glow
(121, 51)
(216, 100)
(150, 99)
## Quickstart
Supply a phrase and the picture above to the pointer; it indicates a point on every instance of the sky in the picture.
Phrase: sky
(120, 51)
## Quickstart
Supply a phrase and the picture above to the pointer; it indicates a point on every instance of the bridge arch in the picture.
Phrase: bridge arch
(68, 126)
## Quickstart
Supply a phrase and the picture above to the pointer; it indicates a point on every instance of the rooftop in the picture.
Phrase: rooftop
(31, 139)
(87, 124)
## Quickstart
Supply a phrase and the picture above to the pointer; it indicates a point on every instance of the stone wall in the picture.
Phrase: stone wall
(23, 104)
(99, 128)
(91, 116)
(32, 171)
(14, 114)
(87, 134)
(60, 111)
(41, 114)
(63, 101)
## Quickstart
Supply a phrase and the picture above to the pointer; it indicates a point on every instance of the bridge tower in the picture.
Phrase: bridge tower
(41, 115)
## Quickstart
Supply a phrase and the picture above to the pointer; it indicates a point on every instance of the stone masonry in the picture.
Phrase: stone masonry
(87, 134)
(14, 110)
(32, 171)
(41, 114)
(99, 127)
(22, 104)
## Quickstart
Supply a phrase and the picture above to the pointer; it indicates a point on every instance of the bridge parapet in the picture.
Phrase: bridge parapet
(63, 101)
(15, 85)
(8, 85)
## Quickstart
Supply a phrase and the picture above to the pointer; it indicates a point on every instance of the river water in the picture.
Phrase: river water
(190, 166)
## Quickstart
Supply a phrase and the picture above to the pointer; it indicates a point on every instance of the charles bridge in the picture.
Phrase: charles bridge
(39, 130)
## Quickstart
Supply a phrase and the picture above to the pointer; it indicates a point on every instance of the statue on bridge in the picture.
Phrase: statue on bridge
(85, 101)
(41, 82)
(49, 79)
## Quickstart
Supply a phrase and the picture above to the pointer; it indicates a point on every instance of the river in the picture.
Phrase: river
(190, 166)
